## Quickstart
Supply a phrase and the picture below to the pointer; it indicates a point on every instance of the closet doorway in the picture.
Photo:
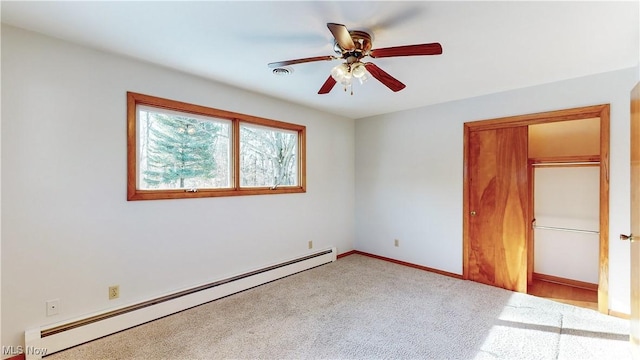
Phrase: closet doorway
(564, 169)
(504, 244)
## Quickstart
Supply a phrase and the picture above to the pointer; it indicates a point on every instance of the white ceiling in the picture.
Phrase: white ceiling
(488, 47)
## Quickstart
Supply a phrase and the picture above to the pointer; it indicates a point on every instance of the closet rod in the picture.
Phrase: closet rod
(566, 229)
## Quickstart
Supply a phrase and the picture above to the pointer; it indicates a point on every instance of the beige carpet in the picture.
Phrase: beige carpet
(364, 308)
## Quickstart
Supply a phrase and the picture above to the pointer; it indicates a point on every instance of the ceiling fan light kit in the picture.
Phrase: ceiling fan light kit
(351, 47)
(345, 73)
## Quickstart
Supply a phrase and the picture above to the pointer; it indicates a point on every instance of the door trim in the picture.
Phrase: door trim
(634, 220)
(587, 112)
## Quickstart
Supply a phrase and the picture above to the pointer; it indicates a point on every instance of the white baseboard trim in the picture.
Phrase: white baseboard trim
(62, 336)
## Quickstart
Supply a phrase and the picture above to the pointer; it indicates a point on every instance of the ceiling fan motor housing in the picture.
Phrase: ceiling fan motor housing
(362, 41)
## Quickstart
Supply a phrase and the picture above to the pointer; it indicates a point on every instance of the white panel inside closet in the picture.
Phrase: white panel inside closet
(567, 197)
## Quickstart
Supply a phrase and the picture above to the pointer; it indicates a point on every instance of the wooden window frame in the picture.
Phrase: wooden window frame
(133, 193)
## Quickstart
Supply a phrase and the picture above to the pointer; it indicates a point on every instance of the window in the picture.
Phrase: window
(268, 157)
(179, 150)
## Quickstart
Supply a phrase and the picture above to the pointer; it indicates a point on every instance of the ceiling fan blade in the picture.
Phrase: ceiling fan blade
(299, 61)
(388, 80)
(407, 50)
(342, 36)
(327, 86)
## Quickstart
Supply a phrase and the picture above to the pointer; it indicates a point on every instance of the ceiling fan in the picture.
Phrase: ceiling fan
(352, 47)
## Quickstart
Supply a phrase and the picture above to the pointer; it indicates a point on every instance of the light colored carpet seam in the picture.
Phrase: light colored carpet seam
(557, 352)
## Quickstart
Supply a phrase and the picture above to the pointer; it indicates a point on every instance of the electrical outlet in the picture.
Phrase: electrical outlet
(53, 307)
(114, 292)
(396, 242)
(310, 244)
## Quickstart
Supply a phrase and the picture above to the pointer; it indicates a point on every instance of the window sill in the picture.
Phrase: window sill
(183, 194)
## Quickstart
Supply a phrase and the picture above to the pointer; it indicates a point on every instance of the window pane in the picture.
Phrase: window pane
(268, 157)
(182, 151)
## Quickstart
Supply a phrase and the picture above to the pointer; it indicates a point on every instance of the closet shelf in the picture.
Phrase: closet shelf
(577, 160)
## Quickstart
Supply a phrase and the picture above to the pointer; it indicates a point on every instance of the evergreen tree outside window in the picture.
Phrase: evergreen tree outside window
(180, 150)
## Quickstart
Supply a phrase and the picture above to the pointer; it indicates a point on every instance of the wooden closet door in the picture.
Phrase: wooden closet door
(498, 198)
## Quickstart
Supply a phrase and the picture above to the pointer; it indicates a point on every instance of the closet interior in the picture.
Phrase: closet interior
(564, 181)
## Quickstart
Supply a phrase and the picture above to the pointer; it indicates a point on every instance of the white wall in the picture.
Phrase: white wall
(564, 138)
(68, 230)
(0, 204)
(409, 172)
(567, 197)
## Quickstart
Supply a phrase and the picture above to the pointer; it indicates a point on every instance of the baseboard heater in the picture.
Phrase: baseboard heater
(62, 336)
